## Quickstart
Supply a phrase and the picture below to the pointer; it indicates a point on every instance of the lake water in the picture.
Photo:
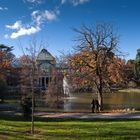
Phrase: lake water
(81, 102)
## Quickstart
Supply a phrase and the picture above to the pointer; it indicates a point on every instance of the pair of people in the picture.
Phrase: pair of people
(95, 105)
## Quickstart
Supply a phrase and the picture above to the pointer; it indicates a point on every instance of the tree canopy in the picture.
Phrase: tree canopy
(95, 57)
(137, 66)
(3, 87)
(6, 57)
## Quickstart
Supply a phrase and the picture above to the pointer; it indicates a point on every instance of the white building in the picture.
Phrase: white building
(46, 63)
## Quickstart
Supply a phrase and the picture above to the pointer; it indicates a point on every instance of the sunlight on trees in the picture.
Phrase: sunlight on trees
(95, 59)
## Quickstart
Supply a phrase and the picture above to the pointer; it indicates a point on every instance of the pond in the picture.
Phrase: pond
(81, 102)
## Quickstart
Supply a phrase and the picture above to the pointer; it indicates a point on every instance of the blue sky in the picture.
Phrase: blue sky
(51, 21)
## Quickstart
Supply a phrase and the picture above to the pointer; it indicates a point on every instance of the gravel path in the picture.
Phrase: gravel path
(81, 115)
(91, 115)
(12, 110)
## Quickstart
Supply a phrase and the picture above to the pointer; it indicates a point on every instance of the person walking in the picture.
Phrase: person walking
(97, 106)
(93, 106)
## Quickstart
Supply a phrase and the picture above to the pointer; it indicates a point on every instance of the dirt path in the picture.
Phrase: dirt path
(81, 115)
(12, 110)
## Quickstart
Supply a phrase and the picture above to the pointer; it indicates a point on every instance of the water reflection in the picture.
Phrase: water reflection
(82, 102)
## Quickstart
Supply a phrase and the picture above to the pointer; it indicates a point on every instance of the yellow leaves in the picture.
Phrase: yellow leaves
(87, 54)
(92, 63)
(81, 62)
(115, 70)
(86, 63)
(72, 64)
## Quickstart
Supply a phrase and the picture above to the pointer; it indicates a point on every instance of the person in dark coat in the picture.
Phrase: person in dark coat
(26, 104)
(93, 106)
(97, 106)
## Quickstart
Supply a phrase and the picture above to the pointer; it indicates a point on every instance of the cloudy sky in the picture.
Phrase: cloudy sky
(51, 21)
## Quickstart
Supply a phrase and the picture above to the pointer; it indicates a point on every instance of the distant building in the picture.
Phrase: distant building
(45, 63)
(138, 55)
(138, 50)
(20, 80)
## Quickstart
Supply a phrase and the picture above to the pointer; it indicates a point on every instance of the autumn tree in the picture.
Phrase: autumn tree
(25, 75)
(95, 58)
(55, 93)
(128, 73)
(30, 73)
(6, 58)
(3, 87)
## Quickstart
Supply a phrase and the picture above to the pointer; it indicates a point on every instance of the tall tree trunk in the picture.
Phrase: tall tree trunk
(32, 94)
(100, 99)
(100, 95)
(32, 125)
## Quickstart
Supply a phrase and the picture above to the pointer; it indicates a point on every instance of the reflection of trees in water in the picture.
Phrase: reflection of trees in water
(81, 102)
(55, 93)
(66, 86)
(122, 100)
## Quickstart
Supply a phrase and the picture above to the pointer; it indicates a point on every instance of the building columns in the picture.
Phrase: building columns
(43, 82)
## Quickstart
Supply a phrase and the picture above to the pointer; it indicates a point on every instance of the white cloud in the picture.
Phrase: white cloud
(25, 31)
(50, 15)
(35, 1)
(21, 30)
(3, 8)
(38, 18)
(63, 1)
(74, 2)
(16, 25)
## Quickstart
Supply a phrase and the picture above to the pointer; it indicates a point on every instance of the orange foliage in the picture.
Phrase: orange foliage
(84, 69)
(5, 64)
(115, 70)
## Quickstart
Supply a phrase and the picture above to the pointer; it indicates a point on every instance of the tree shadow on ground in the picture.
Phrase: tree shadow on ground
(44, 119)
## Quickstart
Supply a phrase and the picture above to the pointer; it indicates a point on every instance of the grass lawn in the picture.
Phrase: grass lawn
(16, 128)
